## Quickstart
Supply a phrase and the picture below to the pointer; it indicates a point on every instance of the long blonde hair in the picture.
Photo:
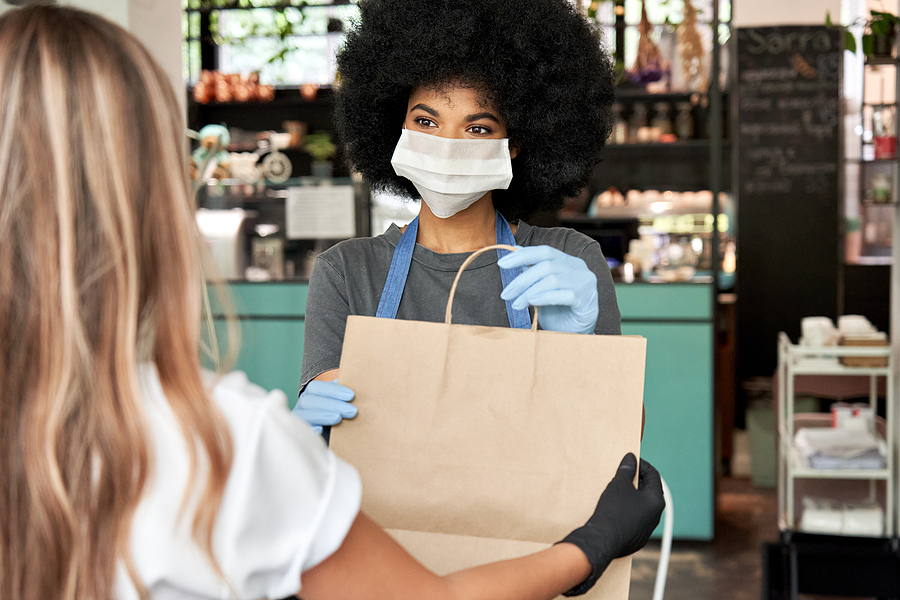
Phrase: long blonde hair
(99, 270)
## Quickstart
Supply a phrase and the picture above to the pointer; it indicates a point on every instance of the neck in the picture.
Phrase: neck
(466, 231)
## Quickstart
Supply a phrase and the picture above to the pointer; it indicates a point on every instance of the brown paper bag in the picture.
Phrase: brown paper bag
(477, 444)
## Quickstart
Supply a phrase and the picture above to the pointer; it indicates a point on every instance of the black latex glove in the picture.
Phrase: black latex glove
(623, 520)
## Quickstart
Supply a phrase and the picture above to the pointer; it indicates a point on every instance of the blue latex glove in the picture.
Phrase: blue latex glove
(325, 403)
(561, 285)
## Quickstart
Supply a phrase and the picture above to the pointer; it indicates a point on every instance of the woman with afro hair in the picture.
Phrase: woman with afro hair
(489, 111)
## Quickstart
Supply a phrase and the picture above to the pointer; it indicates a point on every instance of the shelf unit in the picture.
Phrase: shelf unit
(835, 564)
(795, 360)
(871, 181)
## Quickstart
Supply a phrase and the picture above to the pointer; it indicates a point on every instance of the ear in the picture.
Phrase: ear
(513, 150)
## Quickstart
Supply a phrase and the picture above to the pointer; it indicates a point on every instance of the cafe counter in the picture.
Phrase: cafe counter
(676, 319)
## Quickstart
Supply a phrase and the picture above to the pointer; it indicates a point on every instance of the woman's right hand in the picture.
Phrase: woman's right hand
(325, 403)
(623, 520)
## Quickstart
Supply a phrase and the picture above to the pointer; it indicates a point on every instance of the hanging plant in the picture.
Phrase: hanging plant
(282, 28)
(878, 38)
(649, 65)
(690, 45)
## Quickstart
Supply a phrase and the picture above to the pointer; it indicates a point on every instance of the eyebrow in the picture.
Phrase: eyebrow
(426, 108)
(482, 115)
(469, 118)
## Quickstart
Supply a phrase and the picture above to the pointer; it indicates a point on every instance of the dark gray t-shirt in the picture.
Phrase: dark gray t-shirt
(348, 280)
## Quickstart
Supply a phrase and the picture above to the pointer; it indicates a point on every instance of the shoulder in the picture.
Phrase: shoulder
(263, 428)
(258, 421)
(355, 252)
(303, 498)
(562, 238)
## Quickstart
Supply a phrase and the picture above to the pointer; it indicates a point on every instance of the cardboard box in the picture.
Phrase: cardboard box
(866, 340)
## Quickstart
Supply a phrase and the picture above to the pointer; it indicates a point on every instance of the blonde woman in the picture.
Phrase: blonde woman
(124, 474)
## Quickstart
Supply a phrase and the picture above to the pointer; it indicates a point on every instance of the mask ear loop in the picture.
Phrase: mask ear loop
(448, 315)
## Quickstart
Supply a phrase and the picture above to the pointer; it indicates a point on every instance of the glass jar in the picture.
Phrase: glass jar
(677, 260)
(637, 124)
(684, 121)
(661, 120)
(881, 189)
(883, 132)
(620, 127)
(267, 253)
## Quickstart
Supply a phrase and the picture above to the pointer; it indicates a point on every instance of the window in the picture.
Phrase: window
(287, 42)
(623, 17)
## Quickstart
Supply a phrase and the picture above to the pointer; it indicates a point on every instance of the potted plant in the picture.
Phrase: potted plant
(878, 39)
(321, 149)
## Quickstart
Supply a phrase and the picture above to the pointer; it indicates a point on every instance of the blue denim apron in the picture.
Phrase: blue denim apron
(399, 271)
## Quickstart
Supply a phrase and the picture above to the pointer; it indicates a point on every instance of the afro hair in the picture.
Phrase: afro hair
(539, 62)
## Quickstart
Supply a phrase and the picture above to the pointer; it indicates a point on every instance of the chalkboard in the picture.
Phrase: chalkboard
(788, 107)
(787, 110)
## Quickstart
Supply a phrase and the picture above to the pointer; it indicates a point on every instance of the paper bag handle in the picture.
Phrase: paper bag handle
(448, 315)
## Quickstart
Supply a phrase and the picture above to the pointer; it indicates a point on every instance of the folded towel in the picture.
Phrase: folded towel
(830, 448)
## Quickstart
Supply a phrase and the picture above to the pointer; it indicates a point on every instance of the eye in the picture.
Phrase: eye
(480, 130)
(424, 122)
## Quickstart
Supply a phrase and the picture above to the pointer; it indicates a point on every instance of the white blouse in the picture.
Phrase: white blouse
(288, 502)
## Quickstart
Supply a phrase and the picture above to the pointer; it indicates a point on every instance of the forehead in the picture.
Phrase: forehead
(453, 96)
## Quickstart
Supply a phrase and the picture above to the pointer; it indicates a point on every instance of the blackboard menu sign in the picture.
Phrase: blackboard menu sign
(788, 115)
(788, 110)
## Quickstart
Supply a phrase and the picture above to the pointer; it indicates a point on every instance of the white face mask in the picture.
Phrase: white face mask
(452, 174)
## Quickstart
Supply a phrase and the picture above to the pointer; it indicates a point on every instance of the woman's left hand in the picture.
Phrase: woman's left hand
(561, 285)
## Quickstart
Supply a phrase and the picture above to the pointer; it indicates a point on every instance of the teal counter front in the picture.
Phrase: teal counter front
(675, 318)
(677, 321)
(271, 317)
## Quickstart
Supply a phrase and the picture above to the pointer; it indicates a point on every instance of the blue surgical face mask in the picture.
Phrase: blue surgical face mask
(451, 174)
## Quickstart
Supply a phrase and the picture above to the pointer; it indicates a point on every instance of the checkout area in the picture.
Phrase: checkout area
(266, 262)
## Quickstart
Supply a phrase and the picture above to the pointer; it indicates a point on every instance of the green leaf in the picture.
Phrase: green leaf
(849, 42)
(889, 18)
(828, 22)
(280, 56)
(868, 43)
(881, 27)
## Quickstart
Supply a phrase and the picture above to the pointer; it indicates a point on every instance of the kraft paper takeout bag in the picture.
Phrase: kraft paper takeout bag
(478, 444)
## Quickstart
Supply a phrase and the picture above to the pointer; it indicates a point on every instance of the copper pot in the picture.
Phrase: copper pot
(266, 92)
(201, 93)
(308, 91)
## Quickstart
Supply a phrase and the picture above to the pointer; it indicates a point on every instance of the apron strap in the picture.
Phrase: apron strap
(518, 319)
(402, 259)
(396, 279)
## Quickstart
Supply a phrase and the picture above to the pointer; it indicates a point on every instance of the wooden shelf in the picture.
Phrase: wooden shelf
(872, 161)
(679, 144)
(638, 94)
(284, 96)
(876, 61)
(864, 474)
(274, 6)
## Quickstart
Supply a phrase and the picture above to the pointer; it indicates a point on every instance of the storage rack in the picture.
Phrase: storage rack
(794, 360)
(830, 564)
(862, 166)
(865, 271)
